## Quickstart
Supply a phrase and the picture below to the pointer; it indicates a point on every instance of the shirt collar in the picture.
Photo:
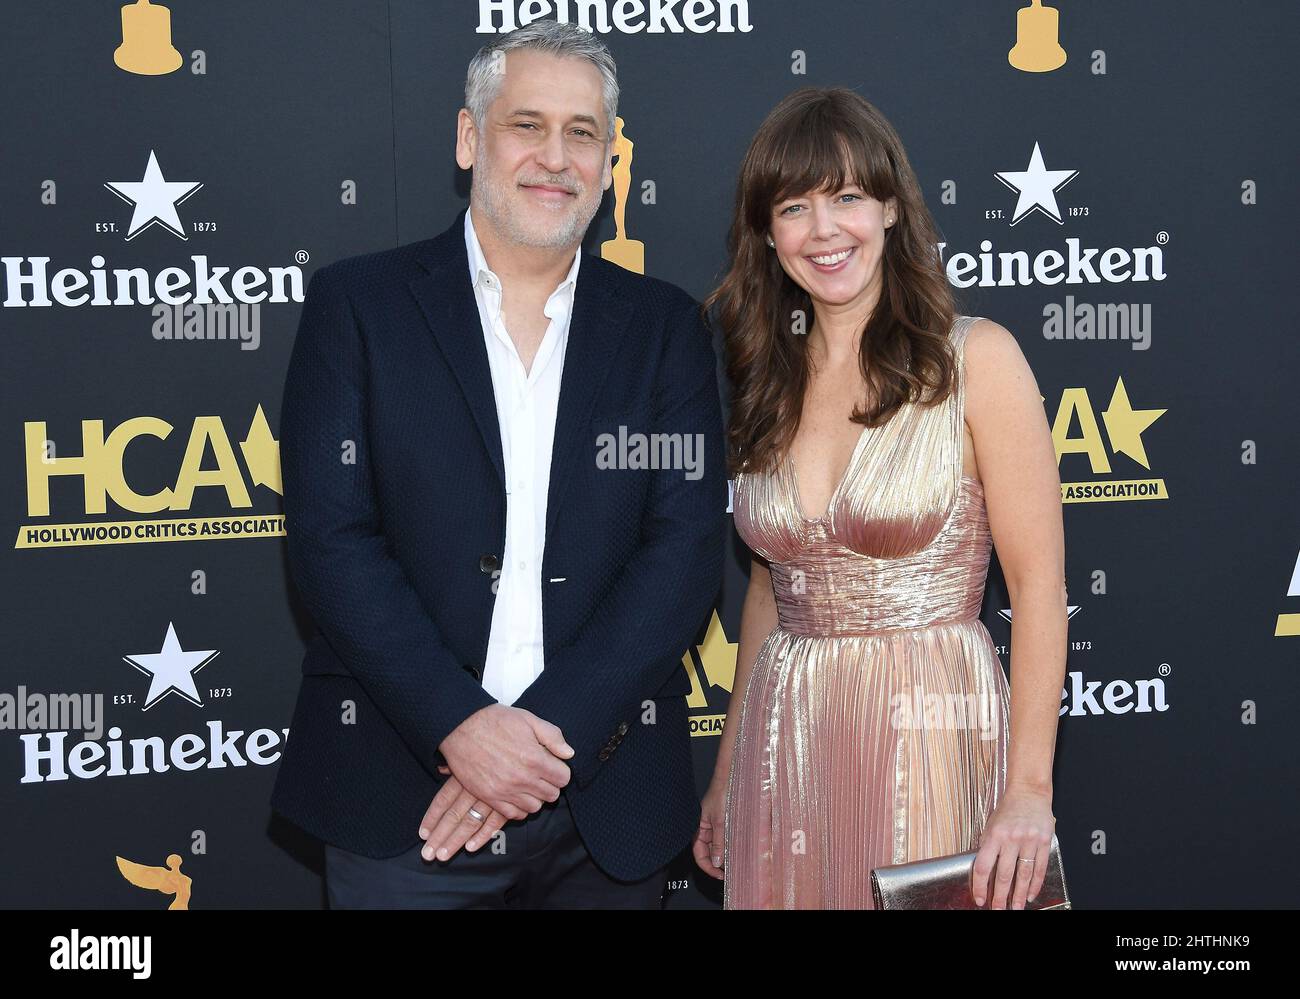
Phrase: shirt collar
(482, 275)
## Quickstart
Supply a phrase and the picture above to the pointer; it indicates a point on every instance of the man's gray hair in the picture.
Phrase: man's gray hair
(559, 38)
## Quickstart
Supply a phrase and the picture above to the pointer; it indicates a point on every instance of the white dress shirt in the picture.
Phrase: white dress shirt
(527, 403)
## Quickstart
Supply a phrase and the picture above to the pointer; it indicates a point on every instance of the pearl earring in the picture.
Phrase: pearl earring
(771, 243)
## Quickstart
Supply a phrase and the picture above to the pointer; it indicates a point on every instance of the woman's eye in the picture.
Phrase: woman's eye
(790, 208)
(855, 197)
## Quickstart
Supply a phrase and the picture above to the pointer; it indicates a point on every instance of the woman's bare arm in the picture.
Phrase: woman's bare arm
(1022, 491)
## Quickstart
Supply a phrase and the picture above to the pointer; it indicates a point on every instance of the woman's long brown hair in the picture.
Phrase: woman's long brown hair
(804, 145)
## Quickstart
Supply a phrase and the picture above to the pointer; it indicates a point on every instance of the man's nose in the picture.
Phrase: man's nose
(552, 154)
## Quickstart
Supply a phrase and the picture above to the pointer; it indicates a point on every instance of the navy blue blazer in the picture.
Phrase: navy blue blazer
(395, 501)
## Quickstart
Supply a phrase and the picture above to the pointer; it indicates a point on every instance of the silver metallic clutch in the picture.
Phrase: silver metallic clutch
(945, 883)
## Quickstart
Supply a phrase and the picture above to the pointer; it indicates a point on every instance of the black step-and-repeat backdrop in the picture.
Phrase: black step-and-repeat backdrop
(1114, 183)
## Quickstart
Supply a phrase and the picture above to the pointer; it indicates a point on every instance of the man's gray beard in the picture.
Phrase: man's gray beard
(493, 200)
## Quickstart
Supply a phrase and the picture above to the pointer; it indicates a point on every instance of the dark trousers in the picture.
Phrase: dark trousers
(538, 862)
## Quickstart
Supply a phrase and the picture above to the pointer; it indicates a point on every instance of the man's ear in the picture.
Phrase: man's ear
(466, 139)
(607, 172)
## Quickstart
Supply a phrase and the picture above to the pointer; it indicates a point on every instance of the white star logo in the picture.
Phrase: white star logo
(1037, 187)
(154, 198)
(1070, 611)
(172, 669)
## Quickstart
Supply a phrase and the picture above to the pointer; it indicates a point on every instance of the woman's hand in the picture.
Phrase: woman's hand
(1020, 827)
(708, 845)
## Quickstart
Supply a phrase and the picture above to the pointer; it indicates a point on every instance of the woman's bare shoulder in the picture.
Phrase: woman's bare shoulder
(995, 364)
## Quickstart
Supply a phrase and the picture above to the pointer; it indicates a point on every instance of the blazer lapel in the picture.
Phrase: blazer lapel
(446, 297)
(595, 333)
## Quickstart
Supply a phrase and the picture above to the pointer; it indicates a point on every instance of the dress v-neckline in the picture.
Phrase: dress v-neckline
(839, 485)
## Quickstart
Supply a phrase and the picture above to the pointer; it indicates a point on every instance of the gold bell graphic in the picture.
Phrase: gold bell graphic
(147, 40)
(1038, 48)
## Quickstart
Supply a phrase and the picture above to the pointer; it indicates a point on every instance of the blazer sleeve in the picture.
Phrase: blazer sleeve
(634, 638)
(340, 558)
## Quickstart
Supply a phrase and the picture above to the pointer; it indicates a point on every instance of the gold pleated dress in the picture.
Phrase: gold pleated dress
(873, 727)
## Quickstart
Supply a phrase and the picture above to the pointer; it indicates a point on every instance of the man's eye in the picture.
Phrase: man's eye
(524, 124)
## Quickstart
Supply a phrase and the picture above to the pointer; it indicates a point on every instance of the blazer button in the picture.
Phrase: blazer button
(475, 673)
(488, 564)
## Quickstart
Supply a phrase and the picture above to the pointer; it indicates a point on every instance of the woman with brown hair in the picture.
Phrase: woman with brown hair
(881, 445)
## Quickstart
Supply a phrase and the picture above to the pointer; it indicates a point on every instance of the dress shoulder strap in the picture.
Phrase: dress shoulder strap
(961, 325)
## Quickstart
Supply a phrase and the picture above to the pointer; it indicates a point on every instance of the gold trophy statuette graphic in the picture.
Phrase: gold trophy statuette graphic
(169, 880)
(627, 253)
(1038, 47)
(146, 46)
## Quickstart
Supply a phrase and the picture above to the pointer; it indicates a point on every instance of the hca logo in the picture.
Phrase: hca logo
(1124, 429)
(717, 662)
(1288, 624)
(102, 471)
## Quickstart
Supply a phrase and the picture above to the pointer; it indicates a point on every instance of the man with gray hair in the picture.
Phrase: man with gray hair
(493, 711)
